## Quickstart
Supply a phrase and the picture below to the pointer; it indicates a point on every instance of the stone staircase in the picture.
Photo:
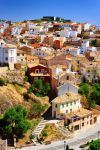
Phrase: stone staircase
(39, 128)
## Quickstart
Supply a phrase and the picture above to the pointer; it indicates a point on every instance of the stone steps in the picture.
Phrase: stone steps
(39, 128)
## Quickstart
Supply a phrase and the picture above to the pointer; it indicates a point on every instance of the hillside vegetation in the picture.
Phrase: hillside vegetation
(13, 94)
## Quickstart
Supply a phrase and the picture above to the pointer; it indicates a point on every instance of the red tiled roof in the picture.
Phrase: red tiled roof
(35, 45)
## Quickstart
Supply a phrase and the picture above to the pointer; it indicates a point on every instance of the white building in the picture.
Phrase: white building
(74, 51)
(8, 54)
(92, 49)
(68, 33)
(73, 34)
(64, 104)
(3, 27)
(43, 52)
(87, 26)
(64, 33)
(2, 43)
(30, 25)
(16, 30)
(84, 46)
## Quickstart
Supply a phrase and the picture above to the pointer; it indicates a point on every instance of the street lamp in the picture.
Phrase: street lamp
(98, 134)
(64, 145)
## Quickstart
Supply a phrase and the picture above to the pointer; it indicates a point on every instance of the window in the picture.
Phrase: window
(90, 121)
(71, 103)
(36, 70)
(66, 111)
(62, 105)
(82, 119)
(66, 104)
(12, 52)
(87, 117)
(6, 58)
(35, 78)
(42, 78)
(82, 124)
(67, 77)
(70, 110)
(12, 59)
(56, 105)
(42, 70)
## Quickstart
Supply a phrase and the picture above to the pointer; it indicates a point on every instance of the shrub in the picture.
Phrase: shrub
(26, 96)
(44, 133)
(26, 78)
(84, 145)
(2, 82)
(31, 137)
(95, 145)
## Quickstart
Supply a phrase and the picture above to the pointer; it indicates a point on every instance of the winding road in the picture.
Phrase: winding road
(78, 138)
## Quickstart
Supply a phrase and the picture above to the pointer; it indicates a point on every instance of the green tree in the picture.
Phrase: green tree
(2, 82)
(92, 93)
(84, 89)
(95, 94)
(39, 88)
(67, 147)
(37, 109)
(14, 122)
(95, 145)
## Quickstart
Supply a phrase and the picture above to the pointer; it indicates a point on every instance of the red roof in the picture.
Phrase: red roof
(35, 45)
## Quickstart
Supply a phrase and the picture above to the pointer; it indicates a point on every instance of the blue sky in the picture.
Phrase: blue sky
(77, 10)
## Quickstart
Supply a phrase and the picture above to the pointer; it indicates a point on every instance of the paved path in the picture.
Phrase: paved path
(39, 128)
(78, 139)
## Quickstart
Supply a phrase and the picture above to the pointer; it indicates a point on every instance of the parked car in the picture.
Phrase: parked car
(47, 142)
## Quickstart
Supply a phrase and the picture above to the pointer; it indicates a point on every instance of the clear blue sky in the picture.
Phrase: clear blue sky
(77, 10)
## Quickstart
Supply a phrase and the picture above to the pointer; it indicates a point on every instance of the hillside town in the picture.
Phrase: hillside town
(50, 67)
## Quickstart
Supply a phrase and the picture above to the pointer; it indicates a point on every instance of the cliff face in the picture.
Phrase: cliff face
(9, 97)
(13, 94)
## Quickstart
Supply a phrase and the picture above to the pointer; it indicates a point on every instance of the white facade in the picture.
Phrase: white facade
(84, 46)
(74, 51)
(68, 33)
(30, 25)
(4, 26)
(63, 89)
(43, 52)
(2, 43)
(56, 71)
(79, 29)
(64, 33)
(65, 107)
(87, 26)
(73, 33)
(16, 30)
(93, 49)
(8, 54)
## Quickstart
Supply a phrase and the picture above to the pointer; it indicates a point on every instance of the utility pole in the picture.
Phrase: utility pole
(98, 134)
(64, 145)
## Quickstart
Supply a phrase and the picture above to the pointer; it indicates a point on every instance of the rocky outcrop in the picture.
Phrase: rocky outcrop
(13, 94)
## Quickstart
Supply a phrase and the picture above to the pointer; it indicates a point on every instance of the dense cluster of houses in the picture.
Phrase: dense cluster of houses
(56, 53)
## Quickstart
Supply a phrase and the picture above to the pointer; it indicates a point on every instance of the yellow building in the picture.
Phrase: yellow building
(66, 103)
(69, 108)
